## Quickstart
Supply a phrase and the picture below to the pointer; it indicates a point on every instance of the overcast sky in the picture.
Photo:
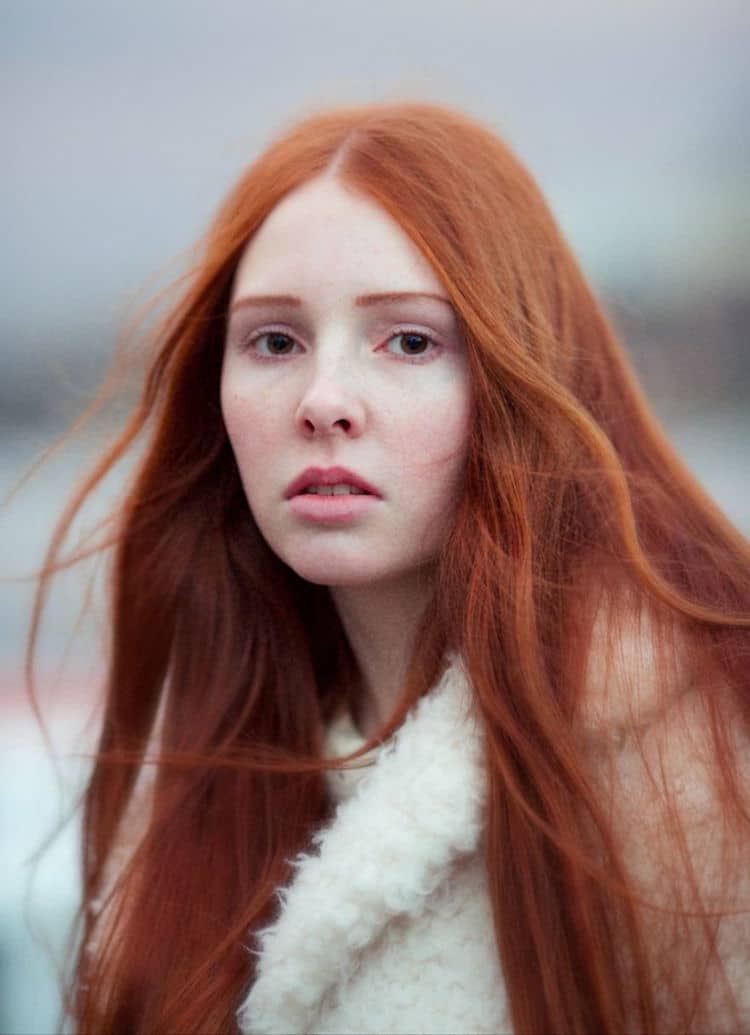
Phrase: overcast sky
(124, 124)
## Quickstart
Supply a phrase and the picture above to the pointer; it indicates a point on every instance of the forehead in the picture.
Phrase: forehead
(325, 235)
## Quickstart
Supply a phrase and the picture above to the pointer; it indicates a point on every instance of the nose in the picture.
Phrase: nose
(327, 407)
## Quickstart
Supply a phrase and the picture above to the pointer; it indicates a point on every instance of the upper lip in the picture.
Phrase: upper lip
(327, 476)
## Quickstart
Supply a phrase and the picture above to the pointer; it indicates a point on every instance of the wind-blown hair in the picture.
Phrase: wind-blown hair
(589, 584)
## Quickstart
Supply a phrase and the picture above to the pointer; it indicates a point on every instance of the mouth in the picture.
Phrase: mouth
(331, 496)
(333, 490)
(330, 482)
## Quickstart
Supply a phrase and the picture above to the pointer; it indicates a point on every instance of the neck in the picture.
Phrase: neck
(381, 622)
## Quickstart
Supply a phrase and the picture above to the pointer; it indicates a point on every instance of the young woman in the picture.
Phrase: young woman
(429, 696)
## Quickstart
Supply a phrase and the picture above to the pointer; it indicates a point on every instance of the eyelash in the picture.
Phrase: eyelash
(250, 343)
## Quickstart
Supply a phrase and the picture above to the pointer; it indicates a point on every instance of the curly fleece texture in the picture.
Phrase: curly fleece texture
(386, 925)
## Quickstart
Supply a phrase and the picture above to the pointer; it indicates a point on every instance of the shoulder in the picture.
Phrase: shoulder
(654, 706)
(669, 751)
(638, 665)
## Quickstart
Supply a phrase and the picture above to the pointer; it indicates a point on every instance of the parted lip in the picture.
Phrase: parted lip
(327, 476)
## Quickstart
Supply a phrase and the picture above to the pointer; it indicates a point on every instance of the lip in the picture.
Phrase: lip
(328, 476)
(331, 510)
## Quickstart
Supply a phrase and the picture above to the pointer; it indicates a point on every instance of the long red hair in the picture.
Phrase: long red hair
(574, 507)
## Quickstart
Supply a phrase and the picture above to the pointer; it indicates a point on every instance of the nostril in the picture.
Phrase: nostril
(321, 427)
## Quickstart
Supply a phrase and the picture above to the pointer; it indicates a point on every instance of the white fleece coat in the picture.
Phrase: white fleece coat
(387, 925)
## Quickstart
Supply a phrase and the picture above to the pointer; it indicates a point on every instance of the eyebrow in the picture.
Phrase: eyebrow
(381, 298)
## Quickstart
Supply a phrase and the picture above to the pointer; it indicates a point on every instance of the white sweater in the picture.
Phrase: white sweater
(387, 925)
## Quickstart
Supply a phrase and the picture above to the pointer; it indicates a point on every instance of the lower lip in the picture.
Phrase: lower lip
(332, 510)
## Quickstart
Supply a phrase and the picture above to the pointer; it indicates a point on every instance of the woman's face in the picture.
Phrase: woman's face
(343, 351)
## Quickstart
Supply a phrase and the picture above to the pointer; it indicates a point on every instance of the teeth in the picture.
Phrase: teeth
(334, 490)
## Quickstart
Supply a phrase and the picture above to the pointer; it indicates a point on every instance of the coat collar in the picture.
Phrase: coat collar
(398, 827)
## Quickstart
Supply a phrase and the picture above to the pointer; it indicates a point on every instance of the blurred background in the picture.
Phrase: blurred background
(124, 125)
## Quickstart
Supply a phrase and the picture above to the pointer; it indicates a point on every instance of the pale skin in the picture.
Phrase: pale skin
(349, 375)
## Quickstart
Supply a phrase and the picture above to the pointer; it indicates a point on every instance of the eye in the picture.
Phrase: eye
(416, 346)
(276, 344)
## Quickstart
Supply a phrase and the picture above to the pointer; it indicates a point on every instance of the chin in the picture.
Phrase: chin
(351, 572)
(333, 567)
(336, 574)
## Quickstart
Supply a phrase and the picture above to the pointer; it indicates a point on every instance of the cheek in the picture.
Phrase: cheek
(250, 426)
(435, 468)
(433, 438)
